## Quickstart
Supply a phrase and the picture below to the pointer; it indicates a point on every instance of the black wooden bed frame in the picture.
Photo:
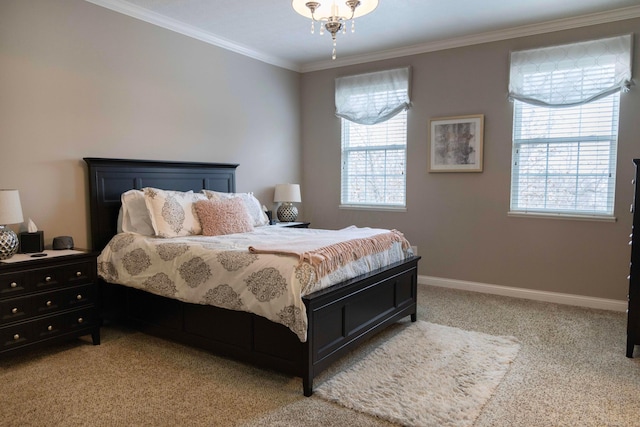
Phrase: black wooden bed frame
(339, 318)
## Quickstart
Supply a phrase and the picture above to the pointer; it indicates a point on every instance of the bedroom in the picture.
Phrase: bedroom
(80, 80)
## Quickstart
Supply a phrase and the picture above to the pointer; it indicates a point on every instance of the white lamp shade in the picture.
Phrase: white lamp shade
(287, 193)
(10, 208)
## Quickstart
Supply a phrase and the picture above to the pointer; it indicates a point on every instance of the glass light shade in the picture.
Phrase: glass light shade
(10, 208)
(287, 193)
(329, 8)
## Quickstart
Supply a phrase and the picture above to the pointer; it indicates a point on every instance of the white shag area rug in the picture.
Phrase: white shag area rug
(427, 375)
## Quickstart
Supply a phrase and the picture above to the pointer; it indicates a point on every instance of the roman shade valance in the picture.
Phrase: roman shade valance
(372, 98)
(571, 74)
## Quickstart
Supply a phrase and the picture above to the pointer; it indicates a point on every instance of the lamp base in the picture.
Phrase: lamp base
(287, 212)
(8, 242)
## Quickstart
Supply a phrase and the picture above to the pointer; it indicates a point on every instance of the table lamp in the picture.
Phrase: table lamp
(287, 194)
(10, 213)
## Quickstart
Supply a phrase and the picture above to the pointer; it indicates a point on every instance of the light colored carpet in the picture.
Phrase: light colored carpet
(426, 375)
(570, 371)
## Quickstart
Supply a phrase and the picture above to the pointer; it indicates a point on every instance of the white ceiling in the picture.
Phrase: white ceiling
(270, 30)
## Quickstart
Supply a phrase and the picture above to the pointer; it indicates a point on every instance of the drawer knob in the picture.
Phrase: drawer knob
(14, 310)
(78, 273)
(79, 297)
(16, 337)
(49, 328)
(47, 279)
(13, 285)
(80, 320)
(49, 303)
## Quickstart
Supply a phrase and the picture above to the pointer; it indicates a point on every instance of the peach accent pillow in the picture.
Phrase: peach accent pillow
(254, 208)
(220, 217)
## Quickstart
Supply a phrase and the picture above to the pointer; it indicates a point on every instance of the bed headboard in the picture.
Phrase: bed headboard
(109, 178)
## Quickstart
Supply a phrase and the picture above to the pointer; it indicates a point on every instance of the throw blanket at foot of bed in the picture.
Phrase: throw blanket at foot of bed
(328, 253)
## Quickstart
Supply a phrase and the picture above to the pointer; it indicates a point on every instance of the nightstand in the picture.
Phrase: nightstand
(48, 300)
(293, 224)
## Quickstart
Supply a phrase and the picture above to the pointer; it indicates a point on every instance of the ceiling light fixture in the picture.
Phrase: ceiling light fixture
(333, 16)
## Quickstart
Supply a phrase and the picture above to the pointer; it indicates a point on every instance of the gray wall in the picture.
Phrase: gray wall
(459, 220)
(78, 80)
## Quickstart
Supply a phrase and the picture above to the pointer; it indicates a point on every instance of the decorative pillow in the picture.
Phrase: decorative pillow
(173, 212)
(226, 216)
(254, 208)
(135, 215)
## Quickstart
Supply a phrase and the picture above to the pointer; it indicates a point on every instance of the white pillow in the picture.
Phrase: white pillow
(135, 215)
(254, 208)
(173, 213)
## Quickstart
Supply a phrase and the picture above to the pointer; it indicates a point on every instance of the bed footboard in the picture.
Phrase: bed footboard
(339, 319)
(343, 316)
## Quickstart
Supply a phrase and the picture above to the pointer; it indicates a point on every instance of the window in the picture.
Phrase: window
(565, 127)
(564, 159)
(374, 162)
(374, 138)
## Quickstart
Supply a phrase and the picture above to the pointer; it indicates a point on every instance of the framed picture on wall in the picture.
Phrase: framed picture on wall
(456, 143)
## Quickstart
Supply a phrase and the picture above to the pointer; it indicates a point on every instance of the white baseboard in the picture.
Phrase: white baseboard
(555, 297)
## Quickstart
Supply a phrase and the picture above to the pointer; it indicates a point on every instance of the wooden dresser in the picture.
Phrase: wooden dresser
(48, 300)
(633, 312)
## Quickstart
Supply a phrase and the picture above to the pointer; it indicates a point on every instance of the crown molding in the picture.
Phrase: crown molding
(491, 36)
(146, 15)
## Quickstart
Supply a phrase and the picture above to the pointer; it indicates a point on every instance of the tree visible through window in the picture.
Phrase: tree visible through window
(374, 162)
(564, 159)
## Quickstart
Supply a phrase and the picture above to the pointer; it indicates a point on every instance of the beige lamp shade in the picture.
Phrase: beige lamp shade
(287, 193)
(10, 208)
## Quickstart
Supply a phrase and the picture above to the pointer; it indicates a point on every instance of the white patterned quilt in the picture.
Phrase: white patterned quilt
(221, 271)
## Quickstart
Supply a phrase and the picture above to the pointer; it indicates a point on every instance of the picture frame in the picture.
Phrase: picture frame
(456, 143)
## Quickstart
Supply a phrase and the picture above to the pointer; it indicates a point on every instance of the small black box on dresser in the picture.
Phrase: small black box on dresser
(31, 242)
(47, 300)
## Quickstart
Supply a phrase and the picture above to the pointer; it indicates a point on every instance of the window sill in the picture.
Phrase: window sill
(574, 217)
(374, 208)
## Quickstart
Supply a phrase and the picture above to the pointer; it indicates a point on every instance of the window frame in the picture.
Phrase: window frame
(345, 202)
(515, 209)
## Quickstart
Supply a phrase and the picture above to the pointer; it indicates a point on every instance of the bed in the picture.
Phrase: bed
(338, 318)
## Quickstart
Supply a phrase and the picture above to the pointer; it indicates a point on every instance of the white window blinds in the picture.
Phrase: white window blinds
(565, 127)
(374, 163)
(372, 98)
(564, 159)
(374, 138)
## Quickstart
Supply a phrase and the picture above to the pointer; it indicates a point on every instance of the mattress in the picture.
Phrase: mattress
(221, 271)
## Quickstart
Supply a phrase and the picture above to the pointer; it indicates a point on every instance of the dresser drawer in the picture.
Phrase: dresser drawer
(15, 335)
(64, 323)
(56, 276)
(50, 302)
(12, 284)
(15, 309)
(80, 273)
